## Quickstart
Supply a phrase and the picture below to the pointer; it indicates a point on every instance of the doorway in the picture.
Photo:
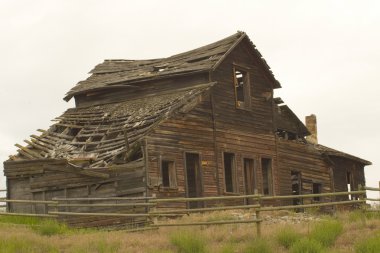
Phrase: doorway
(193, 179)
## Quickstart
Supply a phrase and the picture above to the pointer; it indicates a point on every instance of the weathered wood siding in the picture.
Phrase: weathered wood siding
(303, 158)
(340, 168)
(187, 132)
(216, 126)
(45, 180)
(246, 133)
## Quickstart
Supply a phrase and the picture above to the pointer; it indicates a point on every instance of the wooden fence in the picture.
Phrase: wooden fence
(147, 207)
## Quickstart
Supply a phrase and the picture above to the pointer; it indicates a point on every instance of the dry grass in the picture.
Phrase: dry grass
(220, 238)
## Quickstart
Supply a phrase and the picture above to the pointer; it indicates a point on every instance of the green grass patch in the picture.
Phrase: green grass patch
(228, 248)
(287, 236)
(22, 245)
(306, 245)
(326, 232)
(370, 245)
(188, 242)
(51, 227)
(21, 220)
(258, 246)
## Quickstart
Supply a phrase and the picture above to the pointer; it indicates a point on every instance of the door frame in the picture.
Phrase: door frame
(200, 172)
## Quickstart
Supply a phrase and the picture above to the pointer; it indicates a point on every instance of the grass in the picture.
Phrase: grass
(51, 227)
(370, 245)
(306, 245)
(188, 242)
(47, 236)
(287, 236)
(100, 246)
(26, 245)
(20, 220)
(258, 246)
(326, 232)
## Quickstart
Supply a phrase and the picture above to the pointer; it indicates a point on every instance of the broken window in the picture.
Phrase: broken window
(241, 84)
(296, 186)
(266, 168)
(230, 172)
(317, 188)
(168, 173)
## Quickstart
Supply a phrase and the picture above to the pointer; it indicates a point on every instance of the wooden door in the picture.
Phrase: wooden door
(249, 178)
(193, 179)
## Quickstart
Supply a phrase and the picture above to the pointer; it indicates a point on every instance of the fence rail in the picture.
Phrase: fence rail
(151, 211)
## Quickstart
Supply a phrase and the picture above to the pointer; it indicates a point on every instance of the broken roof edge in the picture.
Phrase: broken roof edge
(233, 41)
(336, 153)
(120, 85)
(183, 104)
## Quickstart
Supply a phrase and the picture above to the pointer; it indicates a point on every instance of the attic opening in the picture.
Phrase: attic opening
(242, 88)
(286, 135)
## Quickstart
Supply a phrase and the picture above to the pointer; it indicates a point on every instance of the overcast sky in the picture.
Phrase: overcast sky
(326, 55)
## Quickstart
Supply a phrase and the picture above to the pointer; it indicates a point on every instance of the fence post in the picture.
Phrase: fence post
(362, 197)
(258, 223)
(153, 209)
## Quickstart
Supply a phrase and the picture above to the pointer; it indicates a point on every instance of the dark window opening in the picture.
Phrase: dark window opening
(317, 188)
(241, 84)
(283, 134)
(266, 167)
(230, 172)
(168, 174)
(296, 186)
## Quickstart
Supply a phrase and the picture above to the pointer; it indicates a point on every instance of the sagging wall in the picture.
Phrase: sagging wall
(305, 159)
(48, 179)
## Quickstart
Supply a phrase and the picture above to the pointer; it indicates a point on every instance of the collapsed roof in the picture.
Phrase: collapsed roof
(100, 133)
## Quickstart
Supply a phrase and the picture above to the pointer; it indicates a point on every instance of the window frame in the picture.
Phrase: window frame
(171, 172)
(270, 176)
(246, 104)
(234, 174)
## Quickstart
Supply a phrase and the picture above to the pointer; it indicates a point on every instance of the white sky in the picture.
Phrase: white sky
(326, 54)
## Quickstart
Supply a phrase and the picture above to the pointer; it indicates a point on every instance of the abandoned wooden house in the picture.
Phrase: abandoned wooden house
(199, 123)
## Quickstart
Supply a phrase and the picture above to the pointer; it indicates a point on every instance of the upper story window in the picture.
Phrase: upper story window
(242, 88)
